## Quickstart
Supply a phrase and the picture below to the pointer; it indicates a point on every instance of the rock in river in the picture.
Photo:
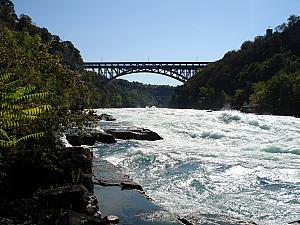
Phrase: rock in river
(104, 138)
(137, 134)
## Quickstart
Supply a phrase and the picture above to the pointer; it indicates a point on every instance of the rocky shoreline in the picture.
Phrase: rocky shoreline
(61, 204)
(31, 194)
(87, 190)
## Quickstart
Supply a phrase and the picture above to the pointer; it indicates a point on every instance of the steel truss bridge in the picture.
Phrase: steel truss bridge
(181, 71)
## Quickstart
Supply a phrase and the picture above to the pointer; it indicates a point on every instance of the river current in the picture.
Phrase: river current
(214, 162)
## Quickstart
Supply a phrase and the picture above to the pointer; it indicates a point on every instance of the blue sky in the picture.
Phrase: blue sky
(163, 30)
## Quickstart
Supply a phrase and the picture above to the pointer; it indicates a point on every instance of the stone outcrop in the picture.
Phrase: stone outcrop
(64, 196)
(70, 197)
(81, 139)
(137, 134)
(105, 138)
(109, 175)
(103, 116)
(111, 219)
(106, 117)
(89, 137)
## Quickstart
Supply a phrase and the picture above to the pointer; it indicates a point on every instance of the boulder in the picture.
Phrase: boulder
(103, 116)
(89, 136)
(185, 221)
(111, 219)
(106, 117)
(131, 185)
(81, 139)
(89, 139)
(109, 175)
(137, 134)
(74, 140)
(105, 138)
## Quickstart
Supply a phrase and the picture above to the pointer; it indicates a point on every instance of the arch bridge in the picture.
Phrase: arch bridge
(181, 71)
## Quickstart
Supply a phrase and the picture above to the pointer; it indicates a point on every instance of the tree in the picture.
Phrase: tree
(8, 16)
(25, 23)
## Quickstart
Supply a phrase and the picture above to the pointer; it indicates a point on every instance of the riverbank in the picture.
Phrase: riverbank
(61, 191)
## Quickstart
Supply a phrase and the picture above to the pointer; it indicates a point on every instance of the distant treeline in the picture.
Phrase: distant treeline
(263, 74)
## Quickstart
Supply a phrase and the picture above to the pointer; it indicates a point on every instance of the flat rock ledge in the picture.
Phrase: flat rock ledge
(126, 184)
(90, 138)
(137, 134)
(109, 136)
(108, 174)
(198, 218)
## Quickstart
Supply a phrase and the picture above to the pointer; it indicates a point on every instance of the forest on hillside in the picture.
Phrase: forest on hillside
(87, 89)
(263, 74)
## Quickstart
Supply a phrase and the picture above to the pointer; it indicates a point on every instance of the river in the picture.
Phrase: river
(214, 162)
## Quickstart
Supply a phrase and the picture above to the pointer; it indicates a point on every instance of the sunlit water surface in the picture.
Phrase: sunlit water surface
(221, 162)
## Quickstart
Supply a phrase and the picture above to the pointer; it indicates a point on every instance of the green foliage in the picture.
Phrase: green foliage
(279, 95)
(16, 110)
(262, 73)
(292, 20)
(8, 16)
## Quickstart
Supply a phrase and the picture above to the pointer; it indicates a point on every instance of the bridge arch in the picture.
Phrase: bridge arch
(180, 71)
(178, 77)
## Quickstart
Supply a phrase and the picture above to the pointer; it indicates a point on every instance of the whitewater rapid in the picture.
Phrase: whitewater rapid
(220, 162)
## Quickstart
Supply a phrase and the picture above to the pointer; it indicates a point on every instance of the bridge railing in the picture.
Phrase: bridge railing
(145, 64)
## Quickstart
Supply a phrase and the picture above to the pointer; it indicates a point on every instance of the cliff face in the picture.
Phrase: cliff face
(253, 75)
(34, 193)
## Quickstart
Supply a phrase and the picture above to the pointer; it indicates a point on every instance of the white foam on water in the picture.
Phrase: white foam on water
(220, 162)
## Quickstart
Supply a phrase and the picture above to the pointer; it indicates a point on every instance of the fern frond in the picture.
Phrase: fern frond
(2, 94)
(5, 77)
(21, 92)
(16, 116)
(40, 96)
(4, 134)
(9, 106)
(9, 124)
(12, 143)
(31, 136)
(7, 144)
(37, 110)
(3, 112)
(12, 84)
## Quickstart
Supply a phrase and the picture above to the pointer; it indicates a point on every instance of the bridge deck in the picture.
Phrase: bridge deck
(150, 64)
(181, 71)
